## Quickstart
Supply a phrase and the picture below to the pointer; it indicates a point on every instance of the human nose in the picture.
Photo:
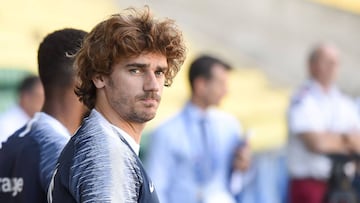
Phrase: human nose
(151, 83)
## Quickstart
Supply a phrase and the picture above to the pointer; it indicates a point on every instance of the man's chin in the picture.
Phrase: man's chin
(150, 117)
(145, 118)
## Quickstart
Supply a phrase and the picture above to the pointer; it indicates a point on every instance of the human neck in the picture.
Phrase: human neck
(132, 128)
(64, 111)
(199, 103)
(325, 87)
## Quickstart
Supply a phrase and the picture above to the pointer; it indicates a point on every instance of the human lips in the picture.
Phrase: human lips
(149, 102)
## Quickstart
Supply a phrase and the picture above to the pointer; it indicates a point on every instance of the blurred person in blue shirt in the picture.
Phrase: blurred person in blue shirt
(190, 155)
(265, 180)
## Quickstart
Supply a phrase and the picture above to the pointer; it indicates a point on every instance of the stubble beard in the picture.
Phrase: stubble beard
(139, 117)
(128, 110)
(138, 114)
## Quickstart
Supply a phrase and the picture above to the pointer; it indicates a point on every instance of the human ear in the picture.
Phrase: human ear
(98, 81)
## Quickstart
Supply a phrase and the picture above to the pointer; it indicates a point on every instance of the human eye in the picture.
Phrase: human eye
(159, 73)
(135, 70)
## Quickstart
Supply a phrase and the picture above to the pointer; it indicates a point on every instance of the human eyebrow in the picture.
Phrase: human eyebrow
(138, 65)
(162, 68)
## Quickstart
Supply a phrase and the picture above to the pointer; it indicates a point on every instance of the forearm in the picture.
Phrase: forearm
(325, 142)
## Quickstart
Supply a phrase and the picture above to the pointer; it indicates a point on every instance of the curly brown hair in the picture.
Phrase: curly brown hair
(123, 36)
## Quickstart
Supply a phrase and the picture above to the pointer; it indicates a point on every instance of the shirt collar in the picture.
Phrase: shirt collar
(195, 113)
(20, 111)
(130, 140)
(316, 88)
(59, 127)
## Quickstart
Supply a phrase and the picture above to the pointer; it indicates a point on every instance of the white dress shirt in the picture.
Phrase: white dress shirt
(11, 120)
(313, 110)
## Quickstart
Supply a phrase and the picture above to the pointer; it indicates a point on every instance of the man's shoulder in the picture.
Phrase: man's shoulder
(81, 152)
(92, 156)
(92, 141)
(348, 104)
(174, 122)
(224, 118)
(13, 112)
(44, 133)
(88, 134)
(346, 99)
(32, 141)
(220, 114)
(18, 141)
(301, 96)
(10, 121)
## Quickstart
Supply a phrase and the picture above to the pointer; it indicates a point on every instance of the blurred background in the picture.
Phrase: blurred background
(267, 41)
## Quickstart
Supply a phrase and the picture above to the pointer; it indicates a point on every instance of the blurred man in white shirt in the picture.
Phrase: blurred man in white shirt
(322, 121)
(31, 99)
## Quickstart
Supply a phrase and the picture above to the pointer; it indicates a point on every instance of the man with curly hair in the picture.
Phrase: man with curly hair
(123, 65)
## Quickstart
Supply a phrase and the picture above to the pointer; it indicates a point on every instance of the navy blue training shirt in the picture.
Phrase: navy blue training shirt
(28, 158)
(98, 165)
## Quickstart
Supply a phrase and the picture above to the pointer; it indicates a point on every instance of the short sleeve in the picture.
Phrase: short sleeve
(305, 117)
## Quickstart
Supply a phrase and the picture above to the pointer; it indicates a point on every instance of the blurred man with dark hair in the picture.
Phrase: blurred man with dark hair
(28, 157)
(322, 121)
(190, 155)
(31, 99)
(124, 63)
